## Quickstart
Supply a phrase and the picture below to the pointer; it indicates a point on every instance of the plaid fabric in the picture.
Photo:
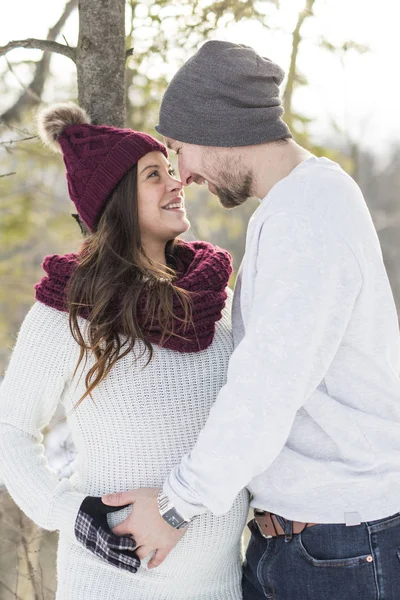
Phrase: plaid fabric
(92, 530)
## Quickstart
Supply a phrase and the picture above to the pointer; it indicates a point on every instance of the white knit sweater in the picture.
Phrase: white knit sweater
(141, 423)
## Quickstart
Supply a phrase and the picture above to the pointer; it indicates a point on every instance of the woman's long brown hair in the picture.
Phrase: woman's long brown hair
(112, 272)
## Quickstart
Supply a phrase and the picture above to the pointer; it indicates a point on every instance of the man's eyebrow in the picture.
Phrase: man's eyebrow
(169, 145)
(154, 167)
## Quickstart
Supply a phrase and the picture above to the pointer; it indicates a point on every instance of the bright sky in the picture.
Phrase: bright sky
(361, 94)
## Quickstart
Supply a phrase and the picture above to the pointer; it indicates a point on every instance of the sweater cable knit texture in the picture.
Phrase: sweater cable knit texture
(141, 423)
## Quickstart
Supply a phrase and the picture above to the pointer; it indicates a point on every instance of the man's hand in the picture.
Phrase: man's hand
(145, 524)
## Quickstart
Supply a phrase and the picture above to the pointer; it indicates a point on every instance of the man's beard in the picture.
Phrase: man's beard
(237, 193)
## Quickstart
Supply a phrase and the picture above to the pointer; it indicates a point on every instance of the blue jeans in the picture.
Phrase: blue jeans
(325, 562)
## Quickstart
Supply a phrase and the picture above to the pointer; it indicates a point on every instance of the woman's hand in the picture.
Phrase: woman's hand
(145, 524)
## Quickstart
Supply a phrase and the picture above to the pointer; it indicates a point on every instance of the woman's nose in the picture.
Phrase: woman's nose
(175, 184)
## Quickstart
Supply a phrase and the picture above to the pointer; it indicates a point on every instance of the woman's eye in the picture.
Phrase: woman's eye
(157, 174)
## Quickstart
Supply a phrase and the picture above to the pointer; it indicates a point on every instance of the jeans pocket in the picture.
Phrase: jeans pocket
(331, 546)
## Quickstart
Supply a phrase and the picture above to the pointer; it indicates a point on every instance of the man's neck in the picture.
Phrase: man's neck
(272, 162)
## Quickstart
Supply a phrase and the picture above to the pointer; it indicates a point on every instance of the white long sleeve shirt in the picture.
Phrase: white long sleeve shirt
(309, 419)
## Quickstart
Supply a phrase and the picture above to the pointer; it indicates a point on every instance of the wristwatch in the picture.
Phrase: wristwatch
(169, 513)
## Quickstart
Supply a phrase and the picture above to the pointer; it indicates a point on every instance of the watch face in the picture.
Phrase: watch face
(173, 518)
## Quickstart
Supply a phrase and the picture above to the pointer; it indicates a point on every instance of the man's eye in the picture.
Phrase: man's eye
(177, 151)
(172, 172)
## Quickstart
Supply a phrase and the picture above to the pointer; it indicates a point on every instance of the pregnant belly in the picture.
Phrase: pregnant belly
(206, 558)
(207, 530)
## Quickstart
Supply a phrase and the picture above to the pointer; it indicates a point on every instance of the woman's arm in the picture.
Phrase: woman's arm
(40, 369)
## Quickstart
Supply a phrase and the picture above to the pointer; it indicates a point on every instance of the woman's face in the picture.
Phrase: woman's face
(162, 214)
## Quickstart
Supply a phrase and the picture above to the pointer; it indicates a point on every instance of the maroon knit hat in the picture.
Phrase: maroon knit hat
(96, 156)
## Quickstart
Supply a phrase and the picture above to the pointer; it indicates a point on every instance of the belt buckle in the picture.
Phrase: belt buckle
(266, 537)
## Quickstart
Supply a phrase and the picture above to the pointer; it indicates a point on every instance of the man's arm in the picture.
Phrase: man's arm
(306, 286)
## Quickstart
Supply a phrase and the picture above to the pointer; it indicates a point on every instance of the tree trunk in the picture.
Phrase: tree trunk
(100, 60)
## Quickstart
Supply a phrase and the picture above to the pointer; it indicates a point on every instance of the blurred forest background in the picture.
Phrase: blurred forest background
(34, 205)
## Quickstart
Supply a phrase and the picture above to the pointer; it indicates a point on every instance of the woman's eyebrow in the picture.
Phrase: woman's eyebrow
(153, 167)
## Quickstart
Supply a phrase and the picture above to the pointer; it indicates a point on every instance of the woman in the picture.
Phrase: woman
(132, 335)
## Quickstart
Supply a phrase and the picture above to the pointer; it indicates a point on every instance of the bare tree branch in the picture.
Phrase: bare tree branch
(34, 44)
(55, 30)
(8, 143)
(8, 174)
(28, 90)
(31, 95)
(292, 74)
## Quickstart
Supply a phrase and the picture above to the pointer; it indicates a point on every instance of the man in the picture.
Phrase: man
(309, 419)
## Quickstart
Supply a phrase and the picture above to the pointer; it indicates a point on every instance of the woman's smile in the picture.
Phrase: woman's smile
(175, 205)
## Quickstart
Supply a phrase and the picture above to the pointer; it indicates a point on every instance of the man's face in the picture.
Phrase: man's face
(218, 167)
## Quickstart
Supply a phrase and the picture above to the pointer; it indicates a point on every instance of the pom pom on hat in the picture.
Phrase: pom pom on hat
(53, 120)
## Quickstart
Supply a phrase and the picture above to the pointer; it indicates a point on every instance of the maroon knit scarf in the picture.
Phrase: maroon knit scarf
(202, 269)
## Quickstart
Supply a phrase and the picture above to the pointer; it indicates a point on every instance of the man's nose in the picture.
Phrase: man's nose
(186, 176)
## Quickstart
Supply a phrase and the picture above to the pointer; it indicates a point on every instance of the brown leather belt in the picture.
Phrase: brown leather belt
(269, 527)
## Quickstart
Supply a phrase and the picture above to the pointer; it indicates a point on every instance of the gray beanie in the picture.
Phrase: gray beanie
(225, 95)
